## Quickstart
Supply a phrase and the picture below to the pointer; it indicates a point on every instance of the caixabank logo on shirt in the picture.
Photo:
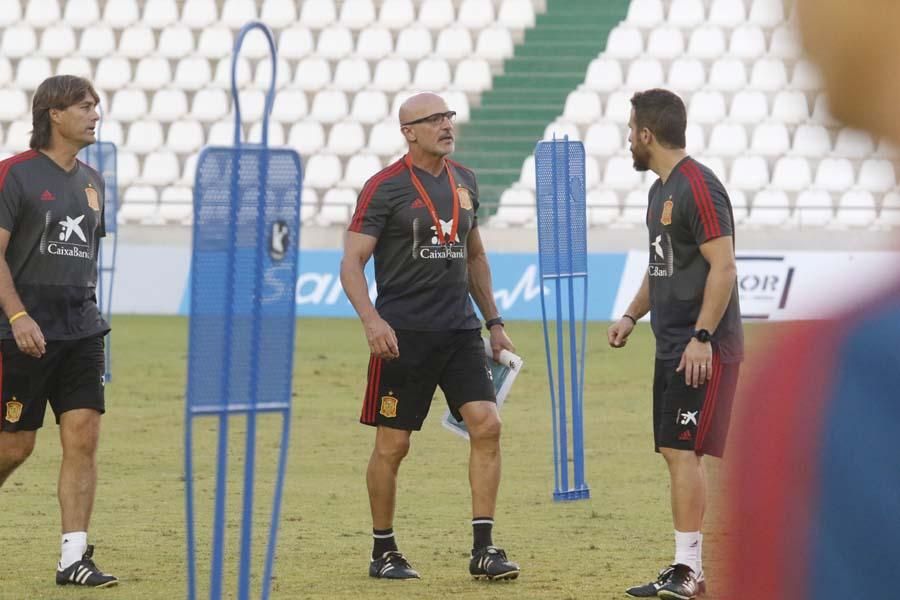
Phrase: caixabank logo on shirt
(662, 258)
(66, 237)
(427, 245)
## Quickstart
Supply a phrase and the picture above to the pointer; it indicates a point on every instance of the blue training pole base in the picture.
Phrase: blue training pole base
(582, 493)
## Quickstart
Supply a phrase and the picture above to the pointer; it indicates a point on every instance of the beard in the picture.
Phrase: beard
(641, 157)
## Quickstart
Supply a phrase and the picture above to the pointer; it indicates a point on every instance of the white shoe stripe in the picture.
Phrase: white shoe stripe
(84, 575)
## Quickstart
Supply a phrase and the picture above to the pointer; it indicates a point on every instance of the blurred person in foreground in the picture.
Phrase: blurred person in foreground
(690, 291)
(51, 330)
(814, 478)
(418, 217)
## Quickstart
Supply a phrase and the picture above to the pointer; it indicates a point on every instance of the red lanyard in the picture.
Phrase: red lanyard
(447, 240)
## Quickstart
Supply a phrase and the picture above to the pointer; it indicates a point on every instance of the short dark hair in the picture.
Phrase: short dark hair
(59, 92)
(663, 113)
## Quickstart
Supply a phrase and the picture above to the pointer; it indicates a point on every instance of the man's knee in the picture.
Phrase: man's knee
(15, 448)
(392, 446)
(677, 458)
(80, 432)
(486, 426)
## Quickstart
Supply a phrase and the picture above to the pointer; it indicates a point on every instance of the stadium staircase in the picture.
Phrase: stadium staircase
(531, 92)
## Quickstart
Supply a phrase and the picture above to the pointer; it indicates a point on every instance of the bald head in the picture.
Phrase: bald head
(421, 105)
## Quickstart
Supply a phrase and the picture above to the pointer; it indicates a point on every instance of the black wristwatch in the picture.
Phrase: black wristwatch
(495, 321)
(702, 335)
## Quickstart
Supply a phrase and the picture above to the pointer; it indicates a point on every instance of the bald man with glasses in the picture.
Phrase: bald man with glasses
(418, 218)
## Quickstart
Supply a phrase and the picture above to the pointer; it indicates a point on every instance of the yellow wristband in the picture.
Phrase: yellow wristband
(18, 315)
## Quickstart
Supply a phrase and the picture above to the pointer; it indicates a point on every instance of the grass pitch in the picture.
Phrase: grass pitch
(586, 549)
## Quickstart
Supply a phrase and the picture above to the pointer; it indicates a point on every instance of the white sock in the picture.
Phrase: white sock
(74, 544)
(687, 549)
(700, 557)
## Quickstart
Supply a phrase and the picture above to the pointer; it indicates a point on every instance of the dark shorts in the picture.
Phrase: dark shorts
(399, 391)
(69, 375)
(687, 418)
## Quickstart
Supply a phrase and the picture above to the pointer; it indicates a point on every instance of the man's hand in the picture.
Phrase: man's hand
(500, 341)
(618, 332)
(696, 362)
(29, 337)
(381, 337)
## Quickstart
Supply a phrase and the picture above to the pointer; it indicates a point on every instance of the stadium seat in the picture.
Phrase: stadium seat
(516, 208)
(144, 136)
(748, 107)
(727, 13)
(128, 104)
(665, 43)
(727, 75)
(199, 14)
(645, 13)
(561, 128)
(889, 215)
(357, 14)
(790, 107)
(391, 75)
(770, 208)
(18, 135)
(618, 107)
(713, 163)
(792, 174)
(18, 41)
(111, 131)
(454, 43)
(139, 205)
(334, 43)
(811, 141)
(784, 44)
(152, 73)
(727, 139)
(821, 114)
(338, 205)
(41, 13)
(290, 105)
(276, 134)
(278, 14)
(313, 73)
(582, 106)
(32, 70)
(237, 13)
(307, 137)
(806, 77)
(137, 42)
(458, 101)
(11, 14)
(369, 107)
(6, 72)
(695, 138)
(516, 14)
(475, 14)
(749, 173)
(255, 46)
(413, 43)
(707, 107)
(396, 14)
(834, 174)
(97, 42)
(645, 73)
(317, 14)
(437, 14)
(624, 42)
(619, 173)
(495, 44)
(432, 74)
(686, 13)
(322, 171)
(374, 43)
(57, 41)
(766, 13)
(604, 75)
(295, 43)
(160, 168)
(73, 65)
(739, 206)
(189, 170)
(876, 175)
(184, 136)
(252, 104)
(359, 169)
(351, 74)
(602, 207)
(192, 73)
(13, 104)
(175, 42)
(209, 105)
(345, 138)
(768, 75)
(215, 42)
(634, 209)
(263, 75)
(159, 13)
(309, 208)
(176, 205)
(771, 139)
(707, 43)
(853, 143)
(473, 75)
(221, 133)
(747, 42)
(168, 105)
(385, 138)
(604, 139)
(121, 13)
(527, 174)
(814, 208)
(686, 75)
(856, 208)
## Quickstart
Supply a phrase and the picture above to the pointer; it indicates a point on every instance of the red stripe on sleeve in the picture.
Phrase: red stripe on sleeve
(369, 190)
(14, 160)
(695, 192)
(714, 227)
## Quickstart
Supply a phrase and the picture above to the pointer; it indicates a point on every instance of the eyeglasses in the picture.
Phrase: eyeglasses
(435, 119)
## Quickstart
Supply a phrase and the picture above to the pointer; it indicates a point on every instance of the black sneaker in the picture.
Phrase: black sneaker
(681, 585)
(649, 590)
(85, 572)
(491, 563)
(392, 565)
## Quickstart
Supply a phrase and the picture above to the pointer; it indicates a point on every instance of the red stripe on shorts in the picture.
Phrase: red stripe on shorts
(367, 398)
(709, 403)
(375, 387)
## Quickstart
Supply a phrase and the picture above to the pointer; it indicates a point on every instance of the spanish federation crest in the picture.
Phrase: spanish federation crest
(666, 218)
(13, 410)
(465, 200)
(389, 406)
(93, 198)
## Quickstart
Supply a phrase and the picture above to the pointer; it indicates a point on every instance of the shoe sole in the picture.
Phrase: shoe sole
(666, 595)
(509, 575)
(108, 584)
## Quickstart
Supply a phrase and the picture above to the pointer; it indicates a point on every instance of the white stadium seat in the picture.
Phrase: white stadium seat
(516, 208)
(582, 107)
(160, 168)
(152, 73)
(494, 44)
(561, 128)
(277, 13)
(645, 73)
(74, 65)
(454, 43)
(748, 106)
(199, 14)
(236, 13)
(262, 78)
(527, 173)
(604, 75)
(97, 41)
(111, 131)
(128, 105)
(32, 70)
(727, 75)
(335, 43)
(137, 42)
(221, 133)
(352, 74)
(665, 43)
(645, 13)
(276, 134)
(290, 105)
(176, 41)
(619, 174)
(18, 135)
(739, 206)
(215, 42)
(369, 107)
(768, 75)
(604, 139)
(189, 170)
(792, 174)
(834, 174)
(770, 138)
(255, 46)
(695, 138)
(252, 105)
(814, 208)
(856, 208)
(385, 138)
(18, 41)
(139, 204)
(602, 207)
(113, 73)
(168, 105)
(770, 208)
(413, 43)
(784, 44)
(41, 13)
(374, 43)
(713, 163)
(747, 42)
(57, 41)
(13, 104)
(811, 141)
(749, 173)
(766, 13)
(876, 175)
(687, 13)
(338, 205)
(624, 42)
(432, 74)
(821, 114)
(790, 107)
(396, 14)
(473, 75)
(516, 14)
(11, 14)
(889, 215)
(438, 14)
(707, 43)
(686, 75)
(727, 139)
(346, 138)
(295, 43)
(176, 205)
(707, 107)
(357, 14)
(192, 73)
(853, 143)
(618, 107)
(159, 13)
(329, 106)
(360, 168)
(458, 101)
(322, 171)
(391, 75)
(475, 14)
(144, 136)
(310, 205)
(806, 77)
(209, 105)
(727, 13)
(317, 14)
(121, 13)
(184, 137)
(313, 73)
